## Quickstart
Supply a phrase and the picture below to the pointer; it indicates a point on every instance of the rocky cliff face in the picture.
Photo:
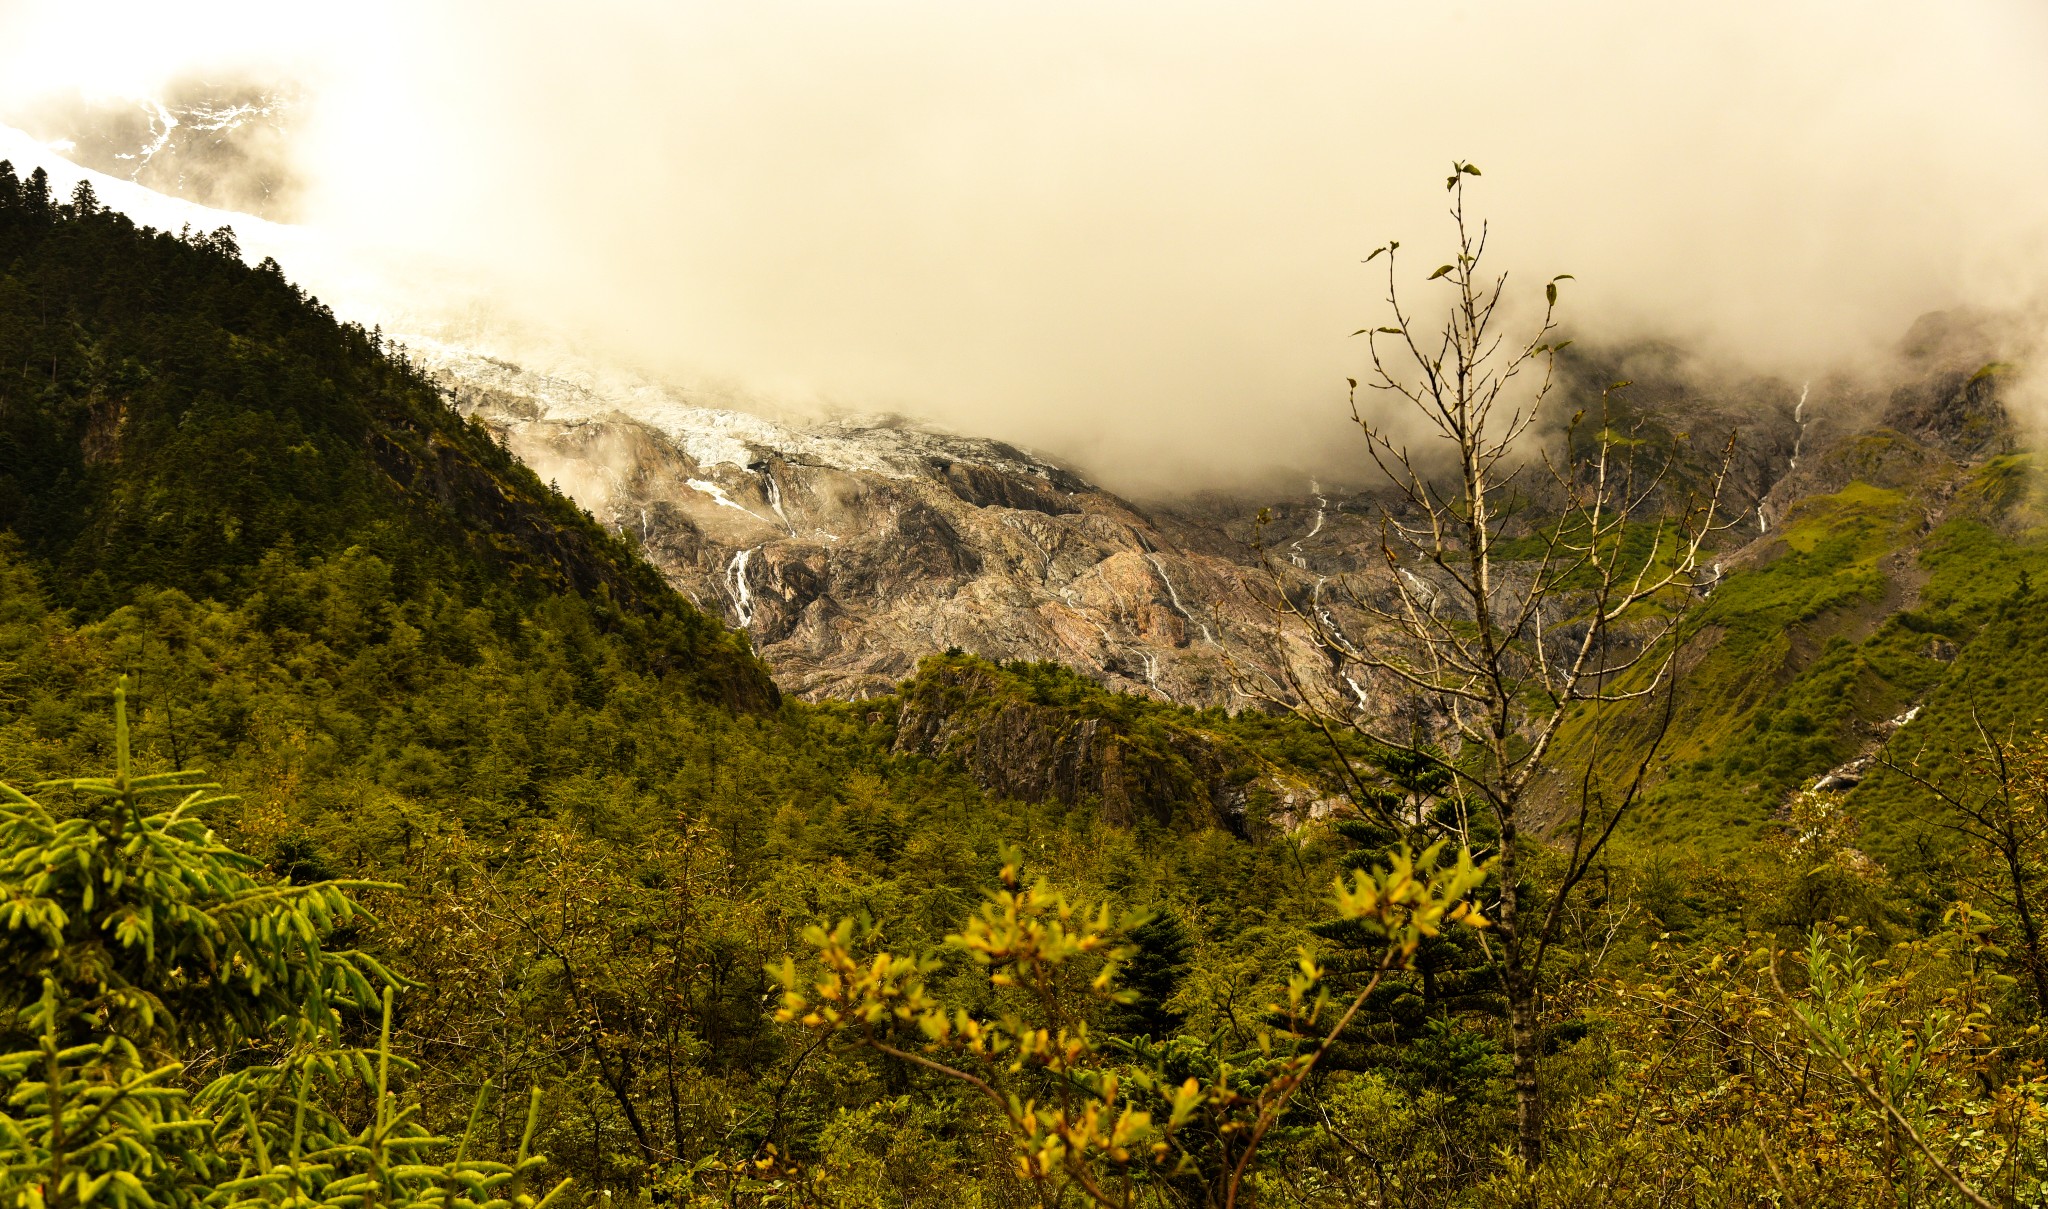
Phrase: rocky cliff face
(850, 550)
(1132, 767)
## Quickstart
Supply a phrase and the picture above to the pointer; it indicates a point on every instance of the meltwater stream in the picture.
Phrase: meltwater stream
(1174, 595)
(1799, 425)
(1763, 521)
(742, 596)
(1322, 510)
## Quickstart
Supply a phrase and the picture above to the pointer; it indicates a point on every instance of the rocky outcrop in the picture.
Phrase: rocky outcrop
(1133, 766)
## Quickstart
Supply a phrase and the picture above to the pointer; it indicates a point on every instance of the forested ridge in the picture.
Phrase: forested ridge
(510, 814)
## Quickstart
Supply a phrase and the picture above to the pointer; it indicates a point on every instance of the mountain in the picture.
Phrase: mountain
(849, 550)
(269, 503)
(1874, 598)
(220, 144)
(587, 827)
(175, 419)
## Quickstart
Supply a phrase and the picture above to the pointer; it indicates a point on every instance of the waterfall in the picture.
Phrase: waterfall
(736, 579)
(1322, 508)
(1322, 611)
(1799, 425)
(1420, 588)
(775, 500)
(1174, 596)
(1364, 703)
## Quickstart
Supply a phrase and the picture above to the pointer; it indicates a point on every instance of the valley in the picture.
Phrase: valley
(618, 795)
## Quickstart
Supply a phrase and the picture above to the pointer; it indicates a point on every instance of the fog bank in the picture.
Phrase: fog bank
(1130, 234)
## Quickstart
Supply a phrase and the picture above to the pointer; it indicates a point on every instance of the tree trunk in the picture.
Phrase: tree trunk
(2029, 930)
(1520, 985)
(1528, 1092)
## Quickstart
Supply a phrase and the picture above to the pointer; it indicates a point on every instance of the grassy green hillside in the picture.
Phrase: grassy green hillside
(1868, 602)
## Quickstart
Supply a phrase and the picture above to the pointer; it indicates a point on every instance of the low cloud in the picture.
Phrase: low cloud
(1130, 234)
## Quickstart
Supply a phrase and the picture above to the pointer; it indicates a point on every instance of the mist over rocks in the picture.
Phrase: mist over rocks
(849, 550)
(221, 142)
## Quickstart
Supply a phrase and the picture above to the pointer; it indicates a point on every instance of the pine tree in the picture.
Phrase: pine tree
(134, 939)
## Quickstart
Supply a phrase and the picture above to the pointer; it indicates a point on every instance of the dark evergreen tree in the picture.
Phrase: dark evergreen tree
(1165, 954)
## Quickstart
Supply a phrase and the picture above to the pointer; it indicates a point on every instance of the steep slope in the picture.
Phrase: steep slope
(173, 418)
(320, 570)
(1873, 603)
(848, 551)
(851, 550)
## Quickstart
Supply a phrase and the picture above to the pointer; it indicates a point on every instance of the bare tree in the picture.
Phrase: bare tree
(1528, 622)
(2000, 802)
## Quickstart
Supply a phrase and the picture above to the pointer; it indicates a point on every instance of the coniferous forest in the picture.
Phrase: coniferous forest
(379, 829)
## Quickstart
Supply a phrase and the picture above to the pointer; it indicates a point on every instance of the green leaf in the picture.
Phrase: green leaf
(1375, 252)
(1550, 293)
(1439, 273)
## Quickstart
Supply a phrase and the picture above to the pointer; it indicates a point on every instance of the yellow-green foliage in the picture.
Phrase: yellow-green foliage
(595, 831)
(1076, 1118)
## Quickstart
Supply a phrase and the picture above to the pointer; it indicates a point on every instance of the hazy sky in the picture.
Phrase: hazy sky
(1131, 233)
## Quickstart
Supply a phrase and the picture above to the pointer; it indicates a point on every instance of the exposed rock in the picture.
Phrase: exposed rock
(1132, 770)
(1843, 777)
(848, 551)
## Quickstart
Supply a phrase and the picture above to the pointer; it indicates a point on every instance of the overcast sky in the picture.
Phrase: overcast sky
(1130, 234)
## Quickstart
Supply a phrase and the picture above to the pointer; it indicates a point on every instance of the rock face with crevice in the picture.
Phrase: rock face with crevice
(850, 550)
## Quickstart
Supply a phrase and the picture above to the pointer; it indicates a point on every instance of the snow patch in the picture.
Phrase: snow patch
(719, 497)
